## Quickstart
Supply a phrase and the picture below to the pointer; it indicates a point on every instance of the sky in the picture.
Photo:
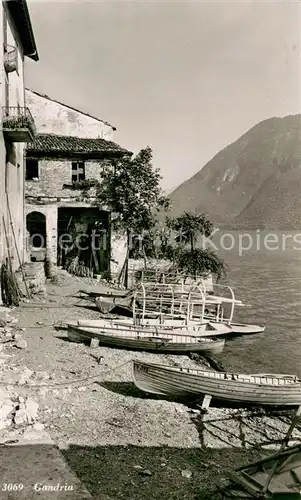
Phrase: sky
(186, 78)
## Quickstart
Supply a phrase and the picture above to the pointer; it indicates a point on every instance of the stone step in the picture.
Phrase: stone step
(36, 470)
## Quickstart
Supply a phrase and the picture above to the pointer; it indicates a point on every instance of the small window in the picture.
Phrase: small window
(32, 169)
(78, 171)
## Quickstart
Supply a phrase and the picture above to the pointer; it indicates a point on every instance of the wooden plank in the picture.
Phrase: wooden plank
(250, 487)
(283, 446)
(296, 478)
(271, 458)
(94, 343)
(206, 402)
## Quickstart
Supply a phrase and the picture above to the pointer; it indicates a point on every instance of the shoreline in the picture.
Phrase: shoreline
(115, 438)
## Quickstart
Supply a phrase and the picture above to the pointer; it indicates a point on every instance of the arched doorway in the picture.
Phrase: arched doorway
(36, 232)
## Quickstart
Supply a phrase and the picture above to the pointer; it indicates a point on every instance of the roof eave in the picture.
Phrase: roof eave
(92, 155)
(20, 15)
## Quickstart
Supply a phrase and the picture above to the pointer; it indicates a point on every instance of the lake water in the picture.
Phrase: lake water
(271, 283)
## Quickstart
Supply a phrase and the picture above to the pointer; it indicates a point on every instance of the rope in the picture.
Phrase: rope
(60, 384)
(48, 306)
(59, 324)
(44, 306)
(45, 325)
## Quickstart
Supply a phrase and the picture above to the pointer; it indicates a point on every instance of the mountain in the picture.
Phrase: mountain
(254, 182)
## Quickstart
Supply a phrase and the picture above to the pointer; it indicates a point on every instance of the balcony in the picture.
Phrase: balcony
(10, 59)
(18, 124)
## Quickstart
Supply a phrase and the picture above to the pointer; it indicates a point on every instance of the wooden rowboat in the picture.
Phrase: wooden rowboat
(167, 302)
(240, 328)
(245, 329)
(204, 328)
(143, 338)
(277, 390)
(280, 471)
(175, 325)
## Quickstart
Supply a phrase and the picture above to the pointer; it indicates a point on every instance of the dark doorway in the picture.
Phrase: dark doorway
(36, 227)
(83, 234)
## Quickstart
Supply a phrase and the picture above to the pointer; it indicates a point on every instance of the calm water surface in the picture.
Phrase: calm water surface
(271, 283)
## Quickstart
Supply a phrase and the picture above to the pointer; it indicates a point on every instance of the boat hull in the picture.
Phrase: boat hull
(147, 341)
(281, 471)
(125, 306)
(245, 329)
(170, 381)
(207, 329)
(239, 328)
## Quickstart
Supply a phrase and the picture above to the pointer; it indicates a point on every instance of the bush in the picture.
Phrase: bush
(198, 261)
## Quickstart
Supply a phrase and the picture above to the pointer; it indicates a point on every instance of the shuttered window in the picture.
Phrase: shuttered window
(78, 171)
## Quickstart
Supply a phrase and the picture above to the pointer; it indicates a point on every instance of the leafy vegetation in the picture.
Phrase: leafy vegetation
(131, 188)
(198, 262)
(85, 185)
(188, 228)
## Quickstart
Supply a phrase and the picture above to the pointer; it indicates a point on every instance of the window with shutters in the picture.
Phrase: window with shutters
(78, 171)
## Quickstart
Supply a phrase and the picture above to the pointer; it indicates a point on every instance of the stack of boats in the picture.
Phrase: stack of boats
(163, 318)
(179, 318)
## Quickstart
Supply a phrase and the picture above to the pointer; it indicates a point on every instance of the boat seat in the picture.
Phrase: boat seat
(162, 339)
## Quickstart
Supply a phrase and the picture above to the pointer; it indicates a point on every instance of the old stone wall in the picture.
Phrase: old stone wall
(47, 194)
(54, 174)
(51, 213)
(52, 117)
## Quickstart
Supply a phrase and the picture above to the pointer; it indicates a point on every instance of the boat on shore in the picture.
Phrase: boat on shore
(258, 389)
(155, 339)
(166, 324)
(277, 476)
(246, 329)
(227, 302)
(159, 303)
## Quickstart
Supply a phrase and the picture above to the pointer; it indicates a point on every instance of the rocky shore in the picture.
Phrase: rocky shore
(119, 441)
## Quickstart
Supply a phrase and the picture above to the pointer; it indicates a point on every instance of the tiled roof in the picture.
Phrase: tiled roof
(44, 96)
(68, 145)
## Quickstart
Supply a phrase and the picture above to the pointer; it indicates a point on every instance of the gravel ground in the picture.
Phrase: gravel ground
(119, 441)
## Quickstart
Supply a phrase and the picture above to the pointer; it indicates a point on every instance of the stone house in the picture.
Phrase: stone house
(70, 146)
(17, 42)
